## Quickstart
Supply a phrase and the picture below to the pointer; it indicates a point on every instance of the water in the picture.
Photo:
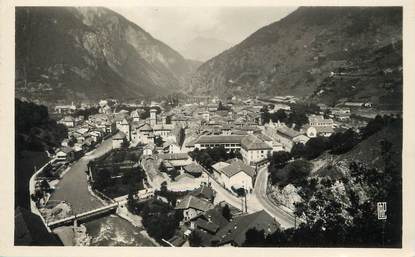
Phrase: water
(115, 231)
(105, 231)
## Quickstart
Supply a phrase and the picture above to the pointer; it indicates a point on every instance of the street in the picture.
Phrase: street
(259, 193)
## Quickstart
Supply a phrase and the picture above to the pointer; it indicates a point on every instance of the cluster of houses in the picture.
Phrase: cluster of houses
(210, 223)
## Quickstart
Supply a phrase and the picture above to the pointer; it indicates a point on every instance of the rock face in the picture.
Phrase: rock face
(91, 53)
(326, 53)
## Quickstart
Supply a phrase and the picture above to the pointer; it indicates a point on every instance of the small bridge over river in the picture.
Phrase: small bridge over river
(111, 208)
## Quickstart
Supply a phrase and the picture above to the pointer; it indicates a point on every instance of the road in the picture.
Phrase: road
(260, 194)
(73, 187)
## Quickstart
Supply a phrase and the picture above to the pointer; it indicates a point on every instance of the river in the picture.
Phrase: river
(105, 231)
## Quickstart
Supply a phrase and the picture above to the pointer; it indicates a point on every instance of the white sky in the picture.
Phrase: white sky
(176, 26)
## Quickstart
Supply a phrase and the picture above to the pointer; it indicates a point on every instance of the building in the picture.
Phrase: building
(234, 233)
(193, 169)
(65, 154)
(153, 117)
(288, 137)
(178, 160)
(193, 207)
(118, 140)
(315, 131)
(234, 175)
(68, 121)
(319, 121)
(228, 141)
(319, 126)
(124, 126)
(254, 150)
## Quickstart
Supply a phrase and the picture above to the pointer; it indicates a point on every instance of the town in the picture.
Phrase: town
(198, 173)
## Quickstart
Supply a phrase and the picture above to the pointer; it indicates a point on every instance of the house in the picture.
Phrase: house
(178, 160)
(315, 131)
(65, 154)
(288, 137)
(170, 147)
(204, 192)
(193, 169)
(68, 121)
(319, 126)
(118, 140)
(192, 207)
(235, 175)
(234, 233)
(254, 150)
(319, 121)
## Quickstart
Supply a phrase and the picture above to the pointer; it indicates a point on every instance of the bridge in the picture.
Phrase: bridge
(99, 212)
(84, 216)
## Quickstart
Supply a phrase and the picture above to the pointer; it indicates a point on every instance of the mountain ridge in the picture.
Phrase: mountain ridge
(296, 54)
(88, 53)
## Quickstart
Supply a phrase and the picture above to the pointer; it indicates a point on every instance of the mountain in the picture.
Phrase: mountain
(324, 53)
(203, 48)
(89, 53)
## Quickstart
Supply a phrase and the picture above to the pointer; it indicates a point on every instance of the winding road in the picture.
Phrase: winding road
(260, 193)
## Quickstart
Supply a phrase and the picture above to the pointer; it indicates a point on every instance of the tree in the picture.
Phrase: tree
(102, 179)
(298, 150)
(298, 171)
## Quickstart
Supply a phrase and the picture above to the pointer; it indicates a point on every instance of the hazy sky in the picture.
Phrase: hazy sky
(176, 26)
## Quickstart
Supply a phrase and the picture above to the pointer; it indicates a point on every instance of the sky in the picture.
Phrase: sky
(176, 26)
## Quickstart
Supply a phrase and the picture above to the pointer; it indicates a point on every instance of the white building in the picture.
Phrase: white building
(118, 140)
(254, 150)
(234, 175)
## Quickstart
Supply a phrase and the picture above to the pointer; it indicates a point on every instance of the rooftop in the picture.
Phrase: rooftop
(193, 202)
(251, 142)
(235, 231)
(229, 139)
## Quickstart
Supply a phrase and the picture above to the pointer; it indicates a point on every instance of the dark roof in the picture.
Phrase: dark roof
(177, 240)
(204, 192)
(193, 168)
(193, 202)
(30, 230)
(235, 231)
(206, 225)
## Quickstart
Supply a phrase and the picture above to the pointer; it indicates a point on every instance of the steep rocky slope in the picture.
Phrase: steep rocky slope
(89, 53)
(297, 55)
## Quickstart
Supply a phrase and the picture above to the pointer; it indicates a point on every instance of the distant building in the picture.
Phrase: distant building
(68, 121)
(319, 126)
